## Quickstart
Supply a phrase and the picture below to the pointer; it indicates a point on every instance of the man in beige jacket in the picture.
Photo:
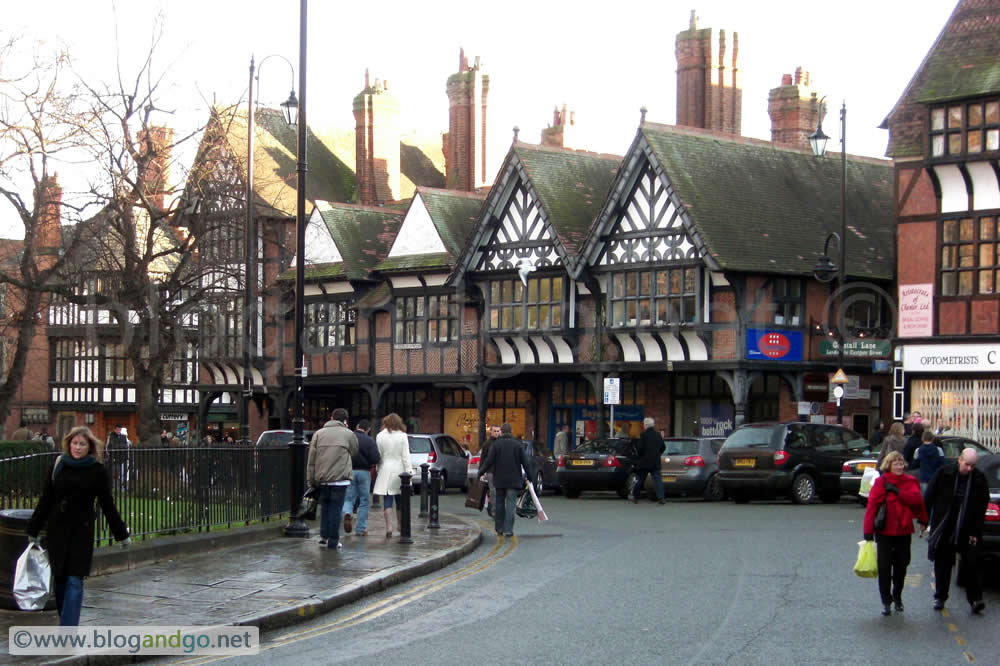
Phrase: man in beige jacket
(329, 468)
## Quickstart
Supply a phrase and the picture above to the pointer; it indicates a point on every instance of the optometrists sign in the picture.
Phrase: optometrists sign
(951, 358)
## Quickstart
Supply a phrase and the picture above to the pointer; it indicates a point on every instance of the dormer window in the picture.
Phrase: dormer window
(535, 307)
(965, 128)
(653, 298)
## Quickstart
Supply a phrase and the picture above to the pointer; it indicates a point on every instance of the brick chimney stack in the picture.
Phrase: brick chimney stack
(156, 141)
(794, 110)
(48, 235)
(465, 143)
(376, 143)
(709, 93)
(562, 131)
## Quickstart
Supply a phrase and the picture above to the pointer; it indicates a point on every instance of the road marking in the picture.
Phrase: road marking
(391, 603)
(960, 640)
(968, 656)
(952, 627)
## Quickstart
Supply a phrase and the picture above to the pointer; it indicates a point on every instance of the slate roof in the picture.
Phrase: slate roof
(963, 62)
(768, 209)
(363, 235)
(455, 215)
(571, 186)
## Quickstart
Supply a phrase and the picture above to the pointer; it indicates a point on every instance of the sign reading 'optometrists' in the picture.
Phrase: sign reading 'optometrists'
(951, 358)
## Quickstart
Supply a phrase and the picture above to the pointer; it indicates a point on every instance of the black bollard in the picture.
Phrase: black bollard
(433, 523)
(423, 489)
(405, 492)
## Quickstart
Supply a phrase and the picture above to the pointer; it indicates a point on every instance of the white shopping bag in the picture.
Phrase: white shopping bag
(867, 481)
(538, 505)
(32, 578)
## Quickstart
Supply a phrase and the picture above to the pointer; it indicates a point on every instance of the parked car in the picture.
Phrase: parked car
(799, 460)
(441, 452)
(853, 470)
(280, 437)
(689, 466)
(543, 472)
(990, 466)
(600, 464)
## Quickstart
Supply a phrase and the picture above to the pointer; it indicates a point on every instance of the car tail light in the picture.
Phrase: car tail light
(992, 513)
(474, 460)
(561, 462)
(780, 458)
(432, 457)
(611, 461)
(847, 468)
(694, 461)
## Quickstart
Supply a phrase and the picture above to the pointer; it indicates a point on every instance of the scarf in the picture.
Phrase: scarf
(70, 461)
(965, 504)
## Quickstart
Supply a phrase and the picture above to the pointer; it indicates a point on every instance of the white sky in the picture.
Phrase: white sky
(604, 60)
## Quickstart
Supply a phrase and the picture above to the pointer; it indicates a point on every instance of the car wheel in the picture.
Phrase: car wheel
(539, 484)
(630, 482)
(571, 493)
(803, 489)
(713, 490)
(444, 484)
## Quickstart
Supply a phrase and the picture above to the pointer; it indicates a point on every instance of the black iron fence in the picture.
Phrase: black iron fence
(172, 490)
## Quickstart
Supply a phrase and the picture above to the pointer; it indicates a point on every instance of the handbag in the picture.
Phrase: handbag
(476, 498)
(307, 508)
(882, 513)
(32, 578)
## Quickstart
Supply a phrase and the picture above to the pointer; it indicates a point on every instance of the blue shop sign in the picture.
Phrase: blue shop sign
(716, 420)
(768, 345)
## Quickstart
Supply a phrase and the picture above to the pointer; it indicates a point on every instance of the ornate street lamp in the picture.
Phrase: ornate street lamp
(296, 527)
(290, 110)
(825, 268)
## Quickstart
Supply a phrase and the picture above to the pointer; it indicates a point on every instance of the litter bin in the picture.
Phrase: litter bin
(13, 541)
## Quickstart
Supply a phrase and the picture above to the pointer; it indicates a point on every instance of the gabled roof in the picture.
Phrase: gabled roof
(362, 235)
(452, 215)
(964, 62)
(767, 209)
(571, 186)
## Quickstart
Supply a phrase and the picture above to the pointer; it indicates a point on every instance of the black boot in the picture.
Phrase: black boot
(886, 610)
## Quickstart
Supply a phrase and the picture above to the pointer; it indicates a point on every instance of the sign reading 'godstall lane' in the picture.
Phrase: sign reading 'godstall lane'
(951, 358)
(857, 348)
(916, 310)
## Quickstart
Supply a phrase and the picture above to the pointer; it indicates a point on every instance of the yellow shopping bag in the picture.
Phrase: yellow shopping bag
(867, 564)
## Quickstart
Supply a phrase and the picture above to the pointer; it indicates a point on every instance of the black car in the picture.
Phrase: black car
(600, 464)
(543, 466)
(794, 459)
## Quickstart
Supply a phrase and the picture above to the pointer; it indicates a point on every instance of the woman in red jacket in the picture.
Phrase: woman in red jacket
(901, 494)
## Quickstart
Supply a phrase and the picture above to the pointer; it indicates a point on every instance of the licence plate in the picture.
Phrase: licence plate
(669, 479)
(581, 463)
(744, 462)
(869, 465)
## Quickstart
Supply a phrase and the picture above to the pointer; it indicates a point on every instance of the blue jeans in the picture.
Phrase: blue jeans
(361, 481)
(657, 478)
(69, 599)
(332, 500)
(503, 511)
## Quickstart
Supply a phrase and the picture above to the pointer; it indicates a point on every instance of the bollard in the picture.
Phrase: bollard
(433, 523)
(405, 492)
(423, 489)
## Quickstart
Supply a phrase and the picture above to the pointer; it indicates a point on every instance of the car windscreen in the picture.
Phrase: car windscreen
(599, 446)
(953, 446)
(992, 471)
(681, 447)
(275, 439)
(752, 437)
(420, 444)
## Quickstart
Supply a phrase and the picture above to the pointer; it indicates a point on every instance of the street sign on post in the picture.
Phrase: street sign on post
(840, 377)
(612, 396)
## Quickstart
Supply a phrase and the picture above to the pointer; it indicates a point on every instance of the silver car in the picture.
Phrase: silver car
(442, 452)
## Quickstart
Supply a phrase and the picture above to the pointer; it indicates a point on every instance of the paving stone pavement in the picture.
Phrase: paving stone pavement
(271, 583)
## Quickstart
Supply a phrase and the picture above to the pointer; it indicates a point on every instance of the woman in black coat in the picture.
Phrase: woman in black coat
(66, 510)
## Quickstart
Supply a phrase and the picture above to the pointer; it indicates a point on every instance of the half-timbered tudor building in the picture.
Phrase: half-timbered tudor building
(944, 138)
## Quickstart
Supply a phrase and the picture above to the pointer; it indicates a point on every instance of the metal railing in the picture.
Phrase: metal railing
(171, 490)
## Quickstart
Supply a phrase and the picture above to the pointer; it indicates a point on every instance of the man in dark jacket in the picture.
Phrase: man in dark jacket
(651, 447)
(912, 444)
(484, 451)
(361, 478)
(957, 498)
(506, 458)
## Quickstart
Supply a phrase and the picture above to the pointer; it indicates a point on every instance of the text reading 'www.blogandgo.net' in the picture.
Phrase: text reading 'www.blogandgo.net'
(134, 640)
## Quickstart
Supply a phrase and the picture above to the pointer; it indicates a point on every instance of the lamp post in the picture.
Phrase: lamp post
(297, 447)
(290, 108)
(825, 268)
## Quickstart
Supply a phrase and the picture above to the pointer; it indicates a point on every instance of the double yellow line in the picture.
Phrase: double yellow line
(505, 544)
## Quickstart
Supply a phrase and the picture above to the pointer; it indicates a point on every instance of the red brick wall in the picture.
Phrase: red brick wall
(952, 318)
(723, 311)
(917, 252)
(915, 192)
(709, 92)
(658, 400)
(984, 316)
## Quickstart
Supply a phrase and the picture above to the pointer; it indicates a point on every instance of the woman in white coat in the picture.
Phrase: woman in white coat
(394, 447)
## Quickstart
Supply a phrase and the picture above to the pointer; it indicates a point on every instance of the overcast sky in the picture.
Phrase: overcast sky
(604, 60)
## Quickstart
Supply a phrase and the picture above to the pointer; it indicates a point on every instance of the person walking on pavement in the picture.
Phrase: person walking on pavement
(394, 450)
(878, 436)
(901, 494)
(928, 458)
(22, 434)
(651, 447)
(957, 498)
(329, 468)
(361, 478)
(117, 447)
(560, 446)
(912, 444)
(506, 458)
(66, 510)
(488, 478)
(894, 441)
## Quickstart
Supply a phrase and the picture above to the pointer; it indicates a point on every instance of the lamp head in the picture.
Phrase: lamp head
(817, 141)
(825, 269)
(290, 108)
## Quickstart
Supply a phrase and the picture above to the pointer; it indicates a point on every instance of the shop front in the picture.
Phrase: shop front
(956, 388)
